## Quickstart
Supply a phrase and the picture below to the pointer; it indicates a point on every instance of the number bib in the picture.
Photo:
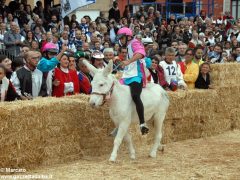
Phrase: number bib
(170, 71)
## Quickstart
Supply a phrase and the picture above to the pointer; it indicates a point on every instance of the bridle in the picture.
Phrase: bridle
(109, 92)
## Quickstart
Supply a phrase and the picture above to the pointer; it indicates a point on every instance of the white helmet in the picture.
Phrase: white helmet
(97, 54)
(147, 40)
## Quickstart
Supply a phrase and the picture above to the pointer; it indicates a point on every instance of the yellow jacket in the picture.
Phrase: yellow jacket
(191, 74)
(199, 62)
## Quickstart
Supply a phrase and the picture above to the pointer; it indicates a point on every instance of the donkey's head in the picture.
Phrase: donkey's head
(102, 83)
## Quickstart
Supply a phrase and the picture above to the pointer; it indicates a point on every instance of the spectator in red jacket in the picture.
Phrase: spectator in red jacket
(65, 81)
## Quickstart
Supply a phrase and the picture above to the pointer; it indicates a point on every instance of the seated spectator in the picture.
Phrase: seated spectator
(172, 71)
(7, 91)
(203, 80)
(191, 73)
(65, 81)
(84, 78)
(28, 80)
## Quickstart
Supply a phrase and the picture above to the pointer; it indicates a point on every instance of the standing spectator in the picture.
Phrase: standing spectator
(158, 19)
(216, 55)
(28, 80)
(29, 38)
(84, 26)
(114, 12)
(39, 9)
(74, 20)
(198, 55)
(3, 7)
(21, 15)
(12, 40)
(2, 32)
(141, 12)
(72, 62)
(187, 36)
(157, 74)
(181, 52)
(191, 73)
(7, 63)
(126, 12)
(65, 81)
(238, 54)
(97, 59)
(77, 40)
(13, 6)
(47, 14)
(84, 78)
(9, 20)
(7, 91)
(53, 23)
(172, 71)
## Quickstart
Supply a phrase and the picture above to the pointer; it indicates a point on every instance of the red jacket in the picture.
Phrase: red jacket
(63, 77)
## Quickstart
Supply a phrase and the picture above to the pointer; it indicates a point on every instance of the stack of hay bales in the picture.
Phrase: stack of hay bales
(57, 130)
(51, 130)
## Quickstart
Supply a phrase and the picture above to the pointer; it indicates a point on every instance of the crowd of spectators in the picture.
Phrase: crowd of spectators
(41, 53)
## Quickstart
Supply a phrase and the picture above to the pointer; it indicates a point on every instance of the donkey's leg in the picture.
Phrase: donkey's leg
(122, 130)
(128, 139)
(158, 124)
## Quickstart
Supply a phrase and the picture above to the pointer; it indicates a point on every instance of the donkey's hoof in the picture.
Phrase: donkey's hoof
(161, 148)
(112, 159)
(153, 154)
(132, 156)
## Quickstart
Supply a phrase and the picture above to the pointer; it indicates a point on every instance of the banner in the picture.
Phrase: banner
(68, 6)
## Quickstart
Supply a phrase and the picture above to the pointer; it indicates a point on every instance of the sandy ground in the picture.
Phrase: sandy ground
(215, 157)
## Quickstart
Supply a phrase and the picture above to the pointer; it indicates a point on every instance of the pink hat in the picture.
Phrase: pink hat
(125, 31)
(50, 47)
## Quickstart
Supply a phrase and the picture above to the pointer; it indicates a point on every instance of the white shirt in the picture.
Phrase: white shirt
(36, 82)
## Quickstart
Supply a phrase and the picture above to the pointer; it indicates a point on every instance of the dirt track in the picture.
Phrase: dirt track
(210, 158)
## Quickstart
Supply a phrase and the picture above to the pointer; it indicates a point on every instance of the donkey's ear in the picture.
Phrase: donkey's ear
(90, 67)
(108, 69)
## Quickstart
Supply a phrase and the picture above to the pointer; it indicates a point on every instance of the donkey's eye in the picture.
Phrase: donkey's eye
(101, 85)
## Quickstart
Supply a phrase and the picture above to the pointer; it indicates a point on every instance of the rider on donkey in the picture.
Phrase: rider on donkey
(133, 73)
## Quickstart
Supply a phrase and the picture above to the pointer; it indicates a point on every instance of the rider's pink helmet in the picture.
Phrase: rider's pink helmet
(125, 31)
(50, 47)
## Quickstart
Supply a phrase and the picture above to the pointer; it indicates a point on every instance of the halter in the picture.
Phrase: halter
(109, 92)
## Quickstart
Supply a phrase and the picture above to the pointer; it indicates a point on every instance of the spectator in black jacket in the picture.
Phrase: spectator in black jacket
(114, 12)
(203, 80)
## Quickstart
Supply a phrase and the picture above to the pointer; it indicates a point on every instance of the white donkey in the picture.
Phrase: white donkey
(122, 108)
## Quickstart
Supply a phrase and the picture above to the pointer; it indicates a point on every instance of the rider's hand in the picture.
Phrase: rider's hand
(64, 47)
(125, 63)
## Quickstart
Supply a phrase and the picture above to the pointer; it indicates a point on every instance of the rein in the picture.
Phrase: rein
(105, 94)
